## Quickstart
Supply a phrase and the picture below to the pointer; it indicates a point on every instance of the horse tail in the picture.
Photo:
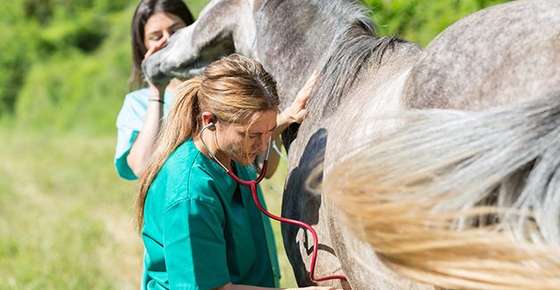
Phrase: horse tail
(461, 199)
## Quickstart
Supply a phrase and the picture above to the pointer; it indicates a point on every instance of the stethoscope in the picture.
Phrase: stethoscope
(252, 184)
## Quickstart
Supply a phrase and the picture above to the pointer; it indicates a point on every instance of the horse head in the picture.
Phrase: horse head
(223, 27)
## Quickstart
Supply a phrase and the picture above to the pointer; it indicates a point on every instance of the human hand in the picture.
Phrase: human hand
(297, 111)
(160, 88)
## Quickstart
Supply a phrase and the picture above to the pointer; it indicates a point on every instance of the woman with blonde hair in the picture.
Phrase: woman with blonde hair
(200, 228)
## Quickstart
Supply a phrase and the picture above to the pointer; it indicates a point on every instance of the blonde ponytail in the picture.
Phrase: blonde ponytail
(178, 127)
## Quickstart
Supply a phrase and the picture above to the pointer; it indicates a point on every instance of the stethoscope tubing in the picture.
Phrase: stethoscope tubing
(252, 184)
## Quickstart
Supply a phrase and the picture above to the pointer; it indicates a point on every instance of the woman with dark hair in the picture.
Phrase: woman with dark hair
(148, 27)
(139, 120)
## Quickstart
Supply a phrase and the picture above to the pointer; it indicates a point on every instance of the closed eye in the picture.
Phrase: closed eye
(176, 27)
(155, 37)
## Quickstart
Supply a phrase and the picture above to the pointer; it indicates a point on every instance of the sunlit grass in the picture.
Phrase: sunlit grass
(66, 219)
(63, 215)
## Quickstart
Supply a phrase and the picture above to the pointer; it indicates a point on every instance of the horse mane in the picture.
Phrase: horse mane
(355, 47)
(340, 43)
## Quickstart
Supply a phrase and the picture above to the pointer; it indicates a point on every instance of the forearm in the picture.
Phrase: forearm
(273, 159)
(144, 145)
(282, 122)
(297, 111)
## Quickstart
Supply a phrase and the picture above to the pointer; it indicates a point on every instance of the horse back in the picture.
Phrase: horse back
(500, 55)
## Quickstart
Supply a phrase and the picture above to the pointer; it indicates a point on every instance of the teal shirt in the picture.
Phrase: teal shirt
(130, 122)
(201, 230)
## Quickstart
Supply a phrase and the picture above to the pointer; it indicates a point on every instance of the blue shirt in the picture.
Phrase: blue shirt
(129, 123)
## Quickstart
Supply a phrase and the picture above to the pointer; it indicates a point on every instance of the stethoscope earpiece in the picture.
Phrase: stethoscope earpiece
(210, 126)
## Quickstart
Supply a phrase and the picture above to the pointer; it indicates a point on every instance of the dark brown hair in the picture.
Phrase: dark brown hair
(144, 10)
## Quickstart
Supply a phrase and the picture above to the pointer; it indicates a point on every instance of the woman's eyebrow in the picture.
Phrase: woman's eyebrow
(172, 26)
(177, 25)
(259, 132)
(153, 32)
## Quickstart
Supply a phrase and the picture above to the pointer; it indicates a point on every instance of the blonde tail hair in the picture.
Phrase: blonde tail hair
(462, 200)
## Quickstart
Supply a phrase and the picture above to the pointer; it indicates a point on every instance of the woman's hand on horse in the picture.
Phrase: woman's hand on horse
(297, 111)
(157, 91)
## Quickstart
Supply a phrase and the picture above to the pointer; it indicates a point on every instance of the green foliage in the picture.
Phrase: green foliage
(34, 31)
(65, 63)
(75, 90)
(45, 11)
(419, 20)
(85, 33)
(17, 47)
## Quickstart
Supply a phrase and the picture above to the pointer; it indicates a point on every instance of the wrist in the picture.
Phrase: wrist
(156, 100)
(156, 96)
(156, 92)
(282, 120)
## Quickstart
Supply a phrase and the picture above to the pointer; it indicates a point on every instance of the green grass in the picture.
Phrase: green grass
(66, 219)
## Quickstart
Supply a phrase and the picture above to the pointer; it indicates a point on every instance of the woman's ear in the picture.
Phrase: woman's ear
(208, 120)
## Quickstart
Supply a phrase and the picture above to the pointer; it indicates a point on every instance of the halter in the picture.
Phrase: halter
(252, 184)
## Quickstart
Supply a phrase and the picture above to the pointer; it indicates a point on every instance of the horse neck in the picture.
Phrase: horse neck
(296, 37)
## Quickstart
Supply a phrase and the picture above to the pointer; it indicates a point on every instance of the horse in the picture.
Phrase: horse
(377, 104)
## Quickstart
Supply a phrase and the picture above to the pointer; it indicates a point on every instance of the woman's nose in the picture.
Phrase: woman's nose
(167, 34)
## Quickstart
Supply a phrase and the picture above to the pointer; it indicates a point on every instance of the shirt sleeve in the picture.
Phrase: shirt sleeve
(194, 245)
(129, 124)
(125, 140)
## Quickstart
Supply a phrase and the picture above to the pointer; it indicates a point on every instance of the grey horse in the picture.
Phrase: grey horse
(501, 55)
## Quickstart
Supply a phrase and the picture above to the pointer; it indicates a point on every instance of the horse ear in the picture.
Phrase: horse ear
(190, 49)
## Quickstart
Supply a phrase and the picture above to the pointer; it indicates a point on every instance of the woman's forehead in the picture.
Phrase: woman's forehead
(262, 122)
(161, 21)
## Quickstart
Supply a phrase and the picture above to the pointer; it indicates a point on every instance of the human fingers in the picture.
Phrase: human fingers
(300, 116)
(305, 92)
(159, 45)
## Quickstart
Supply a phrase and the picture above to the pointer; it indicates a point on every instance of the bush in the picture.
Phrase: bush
(418, 20)
(41, 37)
(75, 90)
(17, 55)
